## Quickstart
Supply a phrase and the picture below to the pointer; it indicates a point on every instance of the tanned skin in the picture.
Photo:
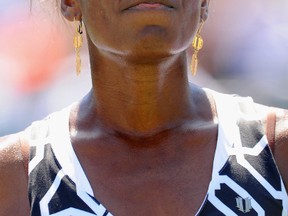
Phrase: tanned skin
(144, 136)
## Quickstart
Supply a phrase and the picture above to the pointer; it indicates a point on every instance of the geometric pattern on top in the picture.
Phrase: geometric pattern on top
(52, 193)
(249, 182)
(245, 178)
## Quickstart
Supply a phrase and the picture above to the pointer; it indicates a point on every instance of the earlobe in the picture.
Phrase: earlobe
(71, 9)
(204, 9)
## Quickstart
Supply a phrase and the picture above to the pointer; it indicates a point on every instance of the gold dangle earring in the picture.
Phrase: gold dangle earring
(197, 45)
(78, 41)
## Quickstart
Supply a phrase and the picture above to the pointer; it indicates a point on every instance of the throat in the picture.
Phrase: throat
(141, 110)
(144, 113)
(142, 99)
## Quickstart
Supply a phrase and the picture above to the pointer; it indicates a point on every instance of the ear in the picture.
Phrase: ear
(71, 9)
(204, 9)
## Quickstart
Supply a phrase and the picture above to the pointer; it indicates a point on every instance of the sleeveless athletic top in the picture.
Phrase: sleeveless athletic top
(245, 179)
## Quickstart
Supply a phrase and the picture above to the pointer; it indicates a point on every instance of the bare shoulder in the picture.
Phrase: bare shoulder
(277, 118)
(281, 143)
(13, 181)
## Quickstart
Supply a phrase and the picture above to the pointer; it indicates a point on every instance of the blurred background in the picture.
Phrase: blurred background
(245, 52)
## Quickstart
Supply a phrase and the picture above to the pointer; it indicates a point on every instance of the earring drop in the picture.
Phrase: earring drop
(197, 45)
(78, 41)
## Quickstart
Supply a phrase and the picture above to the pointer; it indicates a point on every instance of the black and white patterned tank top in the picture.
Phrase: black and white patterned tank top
(245, 179)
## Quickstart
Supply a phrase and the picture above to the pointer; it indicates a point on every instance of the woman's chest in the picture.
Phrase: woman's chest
(155, 185)
(153, 193)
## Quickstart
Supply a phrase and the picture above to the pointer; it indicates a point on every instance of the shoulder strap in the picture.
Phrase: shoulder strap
(270, 129)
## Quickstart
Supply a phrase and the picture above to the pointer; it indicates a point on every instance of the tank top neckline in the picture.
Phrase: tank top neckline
(73, 168)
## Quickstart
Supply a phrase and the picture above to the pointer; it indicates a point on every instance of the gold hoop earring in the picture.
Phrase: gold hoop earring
(197, 45)
(78, 41)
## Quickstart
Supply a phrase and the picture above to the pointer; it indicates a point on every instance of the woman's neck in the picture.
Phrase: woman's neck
(140, 99)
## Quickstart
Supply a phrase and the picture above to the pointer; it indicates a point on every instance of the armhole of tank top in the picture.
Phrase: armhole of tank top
(37, 131)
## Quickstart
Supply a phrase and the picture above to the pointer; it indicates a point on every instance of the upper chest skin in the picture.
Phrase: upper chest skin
(168, 175)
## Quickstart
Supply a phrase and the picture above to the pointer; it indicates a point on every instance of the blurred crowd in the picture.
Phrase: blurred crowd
(247, 48)
(245, 52)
